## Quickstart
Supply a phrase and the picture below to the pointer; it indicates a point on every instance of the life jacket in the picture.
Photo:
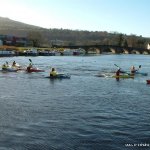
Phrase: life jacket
(14, 64)
(28, 69)
(133, 69)
(53, 73)
(118, 72)
(4, 66)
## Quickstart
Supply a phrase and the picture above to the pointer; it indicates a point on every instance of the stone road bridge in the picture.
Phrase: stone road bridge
(100, 49)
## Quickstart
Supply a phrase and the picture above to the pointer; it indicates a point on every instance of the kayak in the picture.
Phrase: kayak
(114, 76)
(123, 76)
(34, 70)
(9, 70)
(140, 73)
(148, 81)
(59, 76)
(18, 68)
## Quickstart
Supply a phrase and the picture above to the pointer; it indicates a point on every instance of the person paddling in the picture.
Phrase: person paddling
(118, 73)
(53, 73)
(133, 70)
(4, 66)
(30, 65)
(14, 64)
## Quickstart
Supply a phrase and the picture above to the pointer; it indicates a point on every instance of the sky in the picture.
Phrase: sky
(122, 16)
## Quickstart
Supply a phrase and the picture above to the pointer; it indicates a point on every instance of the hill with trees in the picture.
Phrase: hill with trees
(42, 37)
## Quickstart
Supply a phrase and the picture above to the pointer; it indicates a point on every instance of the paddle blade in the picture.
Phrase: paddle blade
(116, 65)
(139, 66)
(30, 60)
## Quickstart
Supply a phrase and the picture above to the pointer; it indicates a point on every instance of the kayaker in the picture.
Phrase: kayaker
(4, 66)
(14, 64)
(118, 72)
(53, 73)
(133, 70)
(29, 66)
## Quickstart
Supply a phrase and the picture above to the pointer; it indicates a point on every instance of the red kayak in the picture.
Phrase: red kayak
(148, 81)
(33, 70)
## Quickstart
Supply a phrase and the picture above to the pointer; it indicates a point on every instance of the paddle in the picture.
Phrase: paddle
(116, 65)
(120, 68)
(31, 61)
(138, 68)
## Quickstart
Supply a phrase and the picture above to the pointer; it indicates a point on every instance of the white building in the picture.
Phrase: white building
(148, 46)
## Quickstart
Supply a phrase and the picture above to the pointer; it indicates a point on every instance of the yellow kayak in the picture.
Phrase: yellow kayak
(123, 76)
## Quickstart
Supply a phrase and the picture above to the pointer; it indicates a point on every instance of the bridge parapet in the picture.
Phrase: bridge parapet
(107, 48)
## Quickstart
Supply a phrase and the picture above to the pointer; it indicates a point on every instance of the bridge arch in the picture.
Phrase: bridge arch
(93, 50)
(105, 50)
(125, 51)
(113, 50)
(117, 50)
(146, 52)
(135, 52)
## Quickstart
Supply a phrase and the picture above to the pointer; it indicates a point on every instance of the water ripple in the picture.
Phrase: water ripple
(82, 113)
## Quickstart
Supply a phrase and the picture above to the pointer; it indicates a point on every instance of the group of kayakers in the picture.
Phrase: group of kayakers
(132, 71)
(123, 74)
(6, 66)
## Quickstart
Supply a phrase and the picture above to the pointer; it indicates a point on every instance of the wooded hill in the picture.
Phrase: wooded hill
(42, 37)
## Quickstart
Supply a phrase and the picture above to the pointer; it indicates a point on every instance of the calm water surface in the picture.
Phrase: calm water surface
(82, 113)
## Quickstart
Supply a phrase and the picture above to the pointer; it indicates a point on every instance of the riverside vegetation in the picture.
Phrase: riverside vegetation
(42, 37)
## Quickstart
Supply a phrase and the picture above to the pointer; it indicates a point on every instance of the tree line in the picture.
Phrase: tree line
(67, 37)
(41, 37)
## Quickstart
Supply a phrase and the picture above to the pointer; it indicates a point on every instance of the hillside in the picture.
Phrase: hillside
(8, 26)
(47, 37)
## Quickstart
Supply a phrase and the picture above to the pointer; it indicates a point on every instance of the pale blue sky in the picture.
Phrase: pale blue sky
(123, 16)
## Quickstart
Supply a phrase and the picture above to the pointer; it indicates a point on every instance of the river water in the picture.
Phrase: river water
(82, 113)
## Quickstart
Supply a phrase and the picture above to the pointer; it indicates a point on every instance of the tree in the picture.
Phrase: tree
(35, 37)
(132, 41)
(141, 43)
(120, 40)
(125, 44)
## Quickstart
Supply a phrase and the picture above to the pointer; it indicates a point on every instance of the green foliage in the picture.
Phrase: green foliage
(44, 37)
(125, 44)
(120, 39)
(35, 37)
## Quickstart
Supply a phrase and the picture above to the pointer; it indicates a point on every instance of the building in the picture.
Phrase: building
(148, 46)
(11, 40)
(57, 42)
